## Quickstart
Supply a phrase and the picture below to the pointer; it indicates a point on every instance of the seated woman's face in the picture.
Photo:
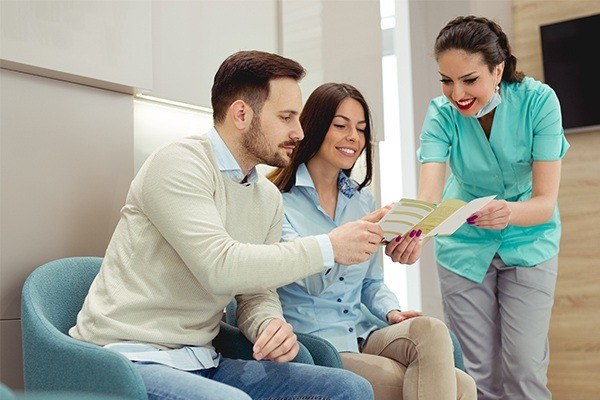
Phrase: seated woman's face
(345, 138)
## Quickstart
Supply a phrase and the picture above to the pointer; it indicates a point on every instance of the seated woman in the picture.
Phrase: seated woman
(412, 357)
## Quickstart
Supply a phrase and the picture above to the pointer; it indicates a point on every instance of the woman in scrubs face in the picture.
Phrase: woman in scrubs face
(502, 134)
(467, 80)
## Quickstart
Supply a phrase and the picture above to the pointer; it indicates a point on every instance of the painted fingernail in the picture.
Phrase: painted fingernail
(412, 233)
(472, 218)
(398, 238)
(419, 233)
(470, 222)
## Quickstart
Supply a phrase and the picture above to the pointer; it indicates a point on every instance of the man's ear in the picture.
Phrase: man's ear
(241, 114)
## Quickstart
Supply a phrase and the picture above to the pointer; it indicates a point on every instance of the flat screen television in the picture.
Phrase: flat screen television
(569, 51)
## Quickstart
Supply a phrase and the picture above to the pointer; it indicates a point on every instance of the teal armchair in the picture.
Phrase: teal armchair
(54, 362)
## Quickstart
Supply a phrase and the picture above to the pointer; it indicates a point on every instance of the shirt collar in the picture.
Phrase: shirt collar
(345, 185)
(226, 162)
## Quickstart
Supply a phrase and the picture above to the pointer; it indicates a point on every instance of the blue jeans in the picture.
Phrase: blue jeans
(258, 380)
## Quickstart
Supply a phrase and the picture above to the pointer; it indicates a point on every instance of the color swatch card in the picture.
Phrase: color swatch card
(432, 219)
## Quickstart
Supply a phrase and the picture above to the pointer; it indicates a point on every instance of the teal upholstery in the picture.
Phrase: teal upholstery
(54, 362)
(6, 393)
(323, 352)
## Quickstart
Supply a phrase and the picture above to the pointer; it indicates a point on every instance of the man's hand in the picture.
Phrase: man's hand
(495, 215)
(354, 242)
(277, 342)
(376, 215)
(397, 316)
(407, 249)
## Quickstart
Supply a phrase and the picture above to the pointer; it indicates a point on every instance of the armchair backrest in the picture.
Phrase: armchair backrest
(56, 290)
(52, 360)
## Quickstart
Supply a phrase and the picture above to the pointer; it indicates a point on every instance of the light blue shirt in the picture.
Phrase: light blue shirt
(227, 163)
(327, 304)
(191, 358)
(527, 127)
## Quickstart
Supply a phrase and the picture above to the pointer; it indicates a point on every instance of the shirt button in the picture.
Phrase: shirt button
(339, 300)
(345, 311)
(350, 329)
(341, 278)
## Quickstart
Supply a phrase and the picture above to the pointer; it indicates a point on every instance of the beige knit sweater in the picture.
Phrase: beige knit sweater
(188, 241)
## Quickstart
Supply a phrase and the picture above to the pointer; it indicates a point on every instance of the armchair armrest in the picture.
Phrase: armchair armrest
(322, 352)
(55, 361)
(232, 343)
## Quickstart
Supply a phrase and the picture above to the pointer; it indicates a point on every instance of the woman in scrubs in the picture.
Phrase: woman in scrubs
(503, 136)
(409, 359)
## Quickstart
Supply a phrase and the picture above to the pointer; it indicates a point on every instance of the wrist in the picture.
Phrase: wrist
(387, 316)
(511, 215)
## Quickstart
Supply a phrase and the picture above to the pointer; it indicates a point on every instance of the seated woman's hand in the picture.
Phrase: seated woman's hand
(397, 316)
(407, 249)
(277, 342)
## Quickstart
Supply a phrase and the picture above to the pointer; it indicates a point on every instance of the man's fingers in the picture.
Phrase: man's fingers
(276, 340)
(290, 355)
(376, 215)
(284, 348)
(266, 334)
(374, 228)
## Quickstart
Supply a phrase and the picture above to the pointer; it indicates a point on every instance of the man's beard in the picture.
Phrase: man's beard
(258, 146)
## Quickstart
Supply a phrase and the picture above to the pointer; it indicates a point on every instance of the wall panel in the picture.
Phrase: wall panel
(575, 323)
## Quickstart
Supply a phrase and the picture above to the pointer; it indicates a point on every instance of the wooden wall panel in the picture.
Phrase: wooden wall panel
(575, 326)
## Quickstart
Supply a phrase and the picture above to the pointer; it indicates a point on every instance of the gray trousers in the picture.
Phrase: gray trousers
(502, 326)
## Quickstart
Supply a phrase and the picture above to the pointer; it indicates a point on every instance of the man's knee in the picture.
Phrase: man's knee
(229, 393)
(352, 386)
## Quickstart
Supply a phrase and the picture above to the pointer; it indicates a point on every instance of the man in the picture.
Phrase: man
(199, 227)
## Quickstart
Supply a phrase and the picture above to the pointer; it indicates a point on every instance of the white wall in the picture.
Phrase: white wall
(337, 41)
(102, 43)
(192, 38)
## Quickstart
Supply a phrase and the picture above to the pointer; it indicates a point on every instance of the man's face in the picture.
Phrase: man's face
(273, 135)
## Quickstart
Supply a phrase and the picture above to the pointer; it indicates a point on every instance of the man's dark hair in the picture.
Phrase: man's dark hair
(245, 75)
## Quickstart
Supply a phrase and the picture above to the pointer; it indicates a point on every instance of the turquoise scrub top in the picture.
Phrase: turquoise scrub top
(527, 127)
